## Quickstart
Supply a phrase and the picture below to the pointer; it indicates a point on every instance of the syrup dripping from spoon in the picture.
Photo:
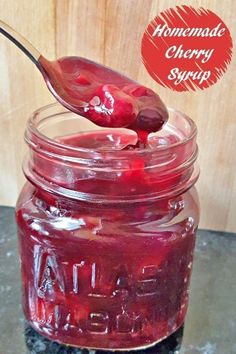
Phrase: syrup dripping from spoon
(100, 94)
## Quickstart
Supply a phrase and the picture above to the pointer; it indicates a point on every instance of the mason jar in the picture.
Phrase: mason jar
(106, 232)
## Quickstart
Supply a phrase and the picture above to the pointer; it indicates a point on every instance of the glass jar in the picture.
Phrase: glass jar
(106, 236)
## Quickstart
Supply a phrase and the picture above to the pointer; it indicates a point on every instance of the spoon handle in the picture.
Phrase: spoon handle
(20, 42)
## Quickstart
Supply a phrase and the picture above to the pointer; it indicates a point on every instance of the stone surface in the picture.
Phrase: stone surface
(211, 321)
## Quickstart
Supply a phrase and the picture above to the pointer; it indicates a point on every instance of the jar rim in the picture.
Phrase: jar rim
(33, 129)
(69, 171)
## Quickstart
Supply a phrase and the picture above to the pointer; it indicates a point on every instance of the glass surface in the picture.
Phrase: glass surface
(107, 236)
(213, 286)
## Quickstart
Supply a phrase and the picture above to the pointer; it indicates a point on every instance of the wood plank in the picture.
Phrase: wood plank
(80, 28)
(22, 89)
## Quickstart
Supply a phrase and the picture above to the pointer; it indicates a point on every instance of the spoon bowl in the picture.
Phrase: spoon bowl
(98, 93)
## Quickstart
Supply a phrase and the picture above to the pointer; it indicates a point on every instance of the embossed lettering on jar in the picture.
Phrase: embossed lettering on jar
(106, 233)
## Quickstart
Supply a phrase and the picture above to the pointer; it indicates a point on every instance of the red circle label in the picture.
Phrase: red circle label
(186, 48)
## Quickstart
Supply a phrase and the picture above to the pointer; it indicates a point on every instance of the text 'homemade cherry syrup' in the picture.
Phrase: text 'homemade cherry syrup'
(107, 221)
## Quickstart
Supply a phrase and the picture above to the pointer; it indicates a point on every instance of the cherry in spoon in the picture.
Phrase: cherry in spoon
(103, 96)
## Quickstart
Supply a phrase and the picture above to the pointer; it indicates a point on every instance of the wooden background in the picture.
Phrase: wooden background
(110, 31)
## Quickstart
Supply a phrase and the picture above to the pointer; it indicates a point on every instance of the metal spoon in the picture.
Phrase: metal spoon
(94, 91)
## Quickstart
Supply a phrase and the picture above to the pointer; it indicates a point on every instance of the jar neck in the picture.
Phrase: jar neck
(108, 176)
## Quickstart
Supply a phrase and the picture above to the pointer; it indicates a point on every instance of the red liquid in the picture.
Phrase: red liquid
(105, 97)
(112, 276)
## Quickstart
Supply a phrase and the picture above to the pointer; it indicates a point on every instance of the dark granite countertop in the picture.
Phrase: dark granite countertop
(210, 327)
